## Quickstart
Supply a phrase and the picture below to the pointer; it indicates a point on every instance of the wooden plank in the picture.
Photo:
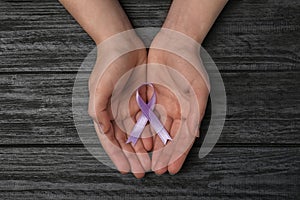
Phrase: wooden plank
(226, 173)
(37, 108)
(256, 35)
(249, 35)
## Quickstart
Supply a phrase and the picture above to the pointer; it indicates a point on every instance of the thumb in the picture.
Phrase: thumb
(103, 121)
(99, 112)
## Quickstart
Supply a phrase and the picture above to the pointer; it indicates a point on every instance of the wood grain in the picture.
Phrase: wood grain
(37, 109)
(255, 46)
(250, 36)
(72, 173)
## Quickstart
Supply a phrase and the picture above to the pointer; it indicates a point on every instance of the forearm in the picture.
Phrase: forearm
(99, 18)
(194, 17)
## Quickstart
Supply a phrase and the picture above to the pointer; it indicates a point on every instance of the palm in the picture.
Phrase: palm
(111, 130)
(180, 118)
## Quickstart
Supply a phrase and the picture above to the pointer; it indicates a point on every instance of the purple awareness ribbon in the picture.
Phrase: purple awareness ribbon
(147, 115)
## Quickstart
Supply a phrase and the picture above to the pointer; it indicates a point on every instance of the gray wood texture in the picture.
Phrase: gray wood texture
(262, 108)
(249, 35)
(255, 45)
(227, 173)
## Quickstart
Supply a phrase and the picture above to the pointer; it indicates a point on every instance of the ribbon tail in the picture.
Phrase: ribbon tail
(164, 136)
(137, 130)
(159, 128)
(132, 139)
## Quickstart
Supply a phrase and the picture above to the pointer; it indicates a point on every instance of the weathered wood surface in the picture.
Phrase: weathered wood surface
(262, 108)
(255, 45)
(256, 35)
(227, 173)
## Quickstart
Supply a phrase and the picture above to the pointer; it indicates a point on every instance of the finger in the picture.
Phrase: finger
(98, 104)
(142, 155)
(101, 117)
(157, 149)
(175, 166)
(197, 111)
(146, 135)
(147, 138)
(202, 93)
(102, 114)
(139, 148)
(136, 167)
(183, 144)
(113, 150)
(103, 120)
(160, 158)
(141, 152)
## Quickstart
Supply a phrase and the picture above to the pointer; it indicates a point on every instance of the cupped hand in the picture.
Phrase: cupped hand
(114, 59)
(176, 102)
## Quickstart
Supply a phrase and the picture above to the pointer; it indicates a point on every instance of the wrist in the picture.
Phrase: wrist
(175, 41)
(110, 29)
(182, 25)
(120, 44)
(193, 17)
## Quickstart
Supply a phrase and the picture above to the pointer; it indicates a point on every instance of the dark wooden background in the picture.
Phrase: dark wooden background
(255, 44)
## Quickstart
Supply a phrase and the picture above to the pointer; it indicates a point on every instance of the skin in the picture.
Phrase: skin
(102, 19)
(176, 114)
(192, 19)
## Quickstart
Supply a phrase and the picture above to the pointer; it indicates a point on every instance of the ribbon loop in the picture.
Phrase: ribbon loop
(147, 115)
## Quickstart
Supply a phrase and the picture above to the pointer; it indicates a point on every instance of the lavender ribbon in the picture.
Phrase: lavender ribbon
(147, 115)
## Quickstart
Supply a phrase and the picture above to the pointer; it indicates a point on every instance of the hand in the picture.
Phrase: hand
(181, 121)
(102, 82)
(92, 16)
